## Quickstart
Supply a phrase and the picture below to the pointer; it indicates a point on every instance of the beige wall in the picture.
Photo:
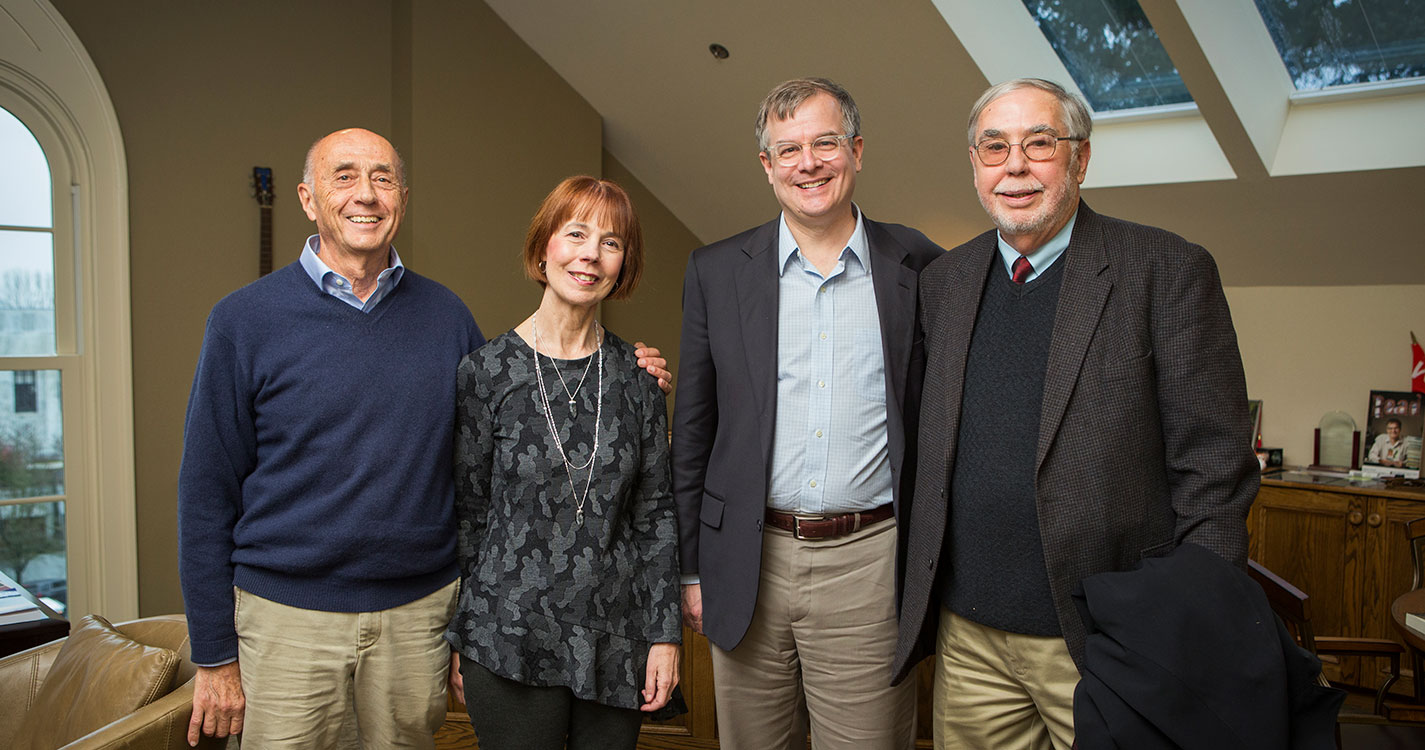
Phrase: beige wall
(494, 129)
(1311, 350)
(653, 315)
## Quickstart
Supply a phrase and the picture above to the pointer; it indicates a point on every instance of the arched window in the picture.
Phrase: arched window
(66, 397)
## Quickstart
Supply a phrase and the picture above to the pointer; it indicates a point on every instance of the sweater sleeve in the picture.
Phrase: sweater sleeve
(219, 451)
(474, 459)
(655, 522)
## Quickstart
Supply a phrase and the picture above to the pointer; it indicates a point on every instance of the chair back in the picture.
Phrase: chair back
(1290, 603)
(1415, 533)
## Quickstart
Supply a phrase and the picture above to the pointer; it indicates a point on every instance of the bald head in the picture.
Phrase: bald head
(400, 165)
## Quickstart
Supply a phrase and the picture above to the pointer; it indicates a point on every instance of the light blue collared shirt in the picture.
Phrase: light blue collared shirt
(339, 286)
(1042, 258)
(829, 451)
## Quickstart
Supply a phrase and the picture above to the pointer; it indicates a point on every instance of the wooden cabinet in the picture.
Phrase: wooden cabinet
(1345, 547)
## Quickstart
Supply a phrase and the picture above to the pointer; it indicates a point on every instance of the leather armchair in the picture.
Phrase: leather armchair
(162, 723)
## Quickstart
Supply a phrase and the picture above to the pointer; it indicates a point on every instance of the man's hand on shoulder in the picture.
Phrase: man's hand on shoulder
(218, 702)
(652, 361)
(693, 606)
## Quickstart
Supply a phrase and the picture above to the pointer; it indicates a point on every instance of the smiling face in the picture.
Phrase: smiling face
(582, 260)
(356, 199)
(1029, 201)
(1392, 430)
(813, 192)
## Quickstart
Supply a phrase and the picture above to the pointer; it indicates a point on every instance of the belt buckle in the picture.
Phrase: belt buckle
(797, 527)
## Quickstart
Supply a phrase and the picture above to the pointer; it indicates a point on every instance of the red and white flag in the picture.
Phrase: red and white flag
(1417, 368)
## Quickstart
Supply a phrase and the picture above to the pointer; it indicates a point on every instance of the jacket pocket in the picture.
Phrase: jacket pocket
(711, 513)
(1138, 368)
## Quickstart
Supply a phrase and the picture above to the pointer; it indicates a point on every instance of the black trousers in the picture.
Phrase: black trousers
(508, 715)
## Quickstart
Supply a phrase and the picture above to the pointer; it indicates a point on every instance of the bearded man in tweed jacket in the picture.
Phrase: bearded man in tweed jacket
(1084, 408)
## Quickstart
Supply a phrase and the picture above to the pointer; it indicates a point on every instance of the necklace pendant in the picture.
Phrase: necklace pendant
(571, 403)
(579, 517)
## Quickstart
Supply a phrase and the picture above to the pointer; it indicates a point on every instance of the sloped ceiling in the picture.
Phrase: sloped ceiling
(681, 121)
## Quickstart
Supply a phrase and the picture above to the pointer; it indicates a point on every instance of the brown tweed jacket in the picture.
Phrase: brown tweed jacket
(1144, 440)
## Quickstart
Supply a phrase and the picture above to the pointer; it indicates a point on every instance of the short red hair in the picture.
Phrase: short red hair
(586, 197)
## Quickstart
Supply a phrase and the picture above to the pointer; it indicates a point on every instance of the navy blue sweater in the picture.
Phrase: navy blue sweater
(317, 452)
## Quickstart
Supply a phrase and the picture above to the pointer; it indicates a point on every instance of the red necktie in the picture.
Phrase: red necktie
(1021, 270)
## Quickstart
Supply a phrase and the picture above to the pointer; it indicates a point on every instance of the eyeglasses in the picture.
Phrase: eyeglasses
(825, 148)
(1037, 147)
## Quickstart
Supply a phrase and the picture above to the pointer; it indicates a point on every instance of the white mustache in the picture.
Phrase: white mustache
(1033, 186)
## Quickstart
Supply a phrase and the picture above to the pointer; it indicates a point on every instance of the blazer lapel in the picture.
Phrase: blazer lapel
(895, 305)
(1082, 295)
(757, 307)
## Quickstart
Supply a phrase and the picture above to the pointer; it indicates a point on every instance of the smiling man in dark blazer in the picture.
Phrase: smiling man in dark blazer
(800, 378)
(1084, 408)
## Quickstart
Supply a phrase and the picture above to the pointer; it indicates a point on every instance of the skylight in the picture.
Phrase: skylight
(1111, 51)
(1336, 42)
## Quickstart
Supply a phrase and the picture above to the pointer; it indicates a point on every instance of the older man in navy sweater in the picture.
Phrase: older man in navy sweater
(316, 527)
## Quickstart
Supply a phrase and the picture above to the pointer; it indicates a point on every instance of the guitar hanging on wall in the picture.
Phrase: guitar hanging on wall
(262, 188)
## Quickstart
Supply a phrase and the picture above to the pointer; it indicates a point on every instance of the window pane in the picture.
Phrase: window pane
(25, 191)
(1347, 41)
(1111, 51)
(31, 439)
(32, 549)
(26, 294)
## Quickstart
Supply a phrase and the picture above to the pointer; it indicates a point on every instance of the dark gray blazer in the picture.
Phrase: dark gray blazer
(725, 407)
(1144, 440)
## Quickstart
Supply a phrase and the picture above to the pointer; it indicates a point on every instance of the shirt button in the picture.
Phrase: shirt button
(813, 482)
(818, 433)
(823, 337)
(821, 384)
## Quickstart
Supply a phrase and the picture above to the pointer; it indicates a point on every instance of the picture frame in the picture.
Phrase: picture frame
(1395, 430)
(1254, 413)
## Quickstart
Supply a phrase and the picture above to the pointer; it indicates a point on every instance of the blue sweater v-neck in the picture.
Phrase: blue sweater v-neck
(317, 452)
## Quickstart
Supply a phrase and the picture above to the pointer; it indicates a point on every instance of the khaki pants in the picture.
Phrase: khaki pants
(306, 673)
(824, 628)
(995, 689)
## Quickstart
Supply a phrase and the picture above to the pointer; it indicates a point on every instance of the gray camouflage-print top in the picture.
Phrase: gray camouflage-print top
(546, 600)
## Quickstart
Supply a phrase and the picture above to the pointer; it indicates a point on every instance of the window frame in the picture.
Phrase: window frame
(50, 84)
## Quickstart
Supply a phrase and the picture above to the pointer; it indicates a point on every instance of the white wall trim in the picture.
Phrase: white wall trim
(1346, 129)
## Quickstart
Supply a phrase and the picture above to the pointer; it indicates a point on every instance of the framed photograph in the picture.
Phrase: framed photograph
(1254, 411)
(1395, 426)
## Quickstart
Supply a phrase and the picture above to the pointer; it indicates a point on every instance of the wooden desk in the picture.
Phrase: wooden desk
(1344, 544)
(1411, 601)
(27, 628)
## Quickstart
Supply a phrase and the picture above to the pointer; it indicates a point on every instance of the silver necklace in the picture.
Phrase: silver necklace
(570, 468)
(578, 385)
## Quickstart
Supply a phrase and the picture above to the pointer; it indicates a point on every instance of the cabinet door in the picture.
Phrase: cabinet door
(1318, 542)
(1390, 574)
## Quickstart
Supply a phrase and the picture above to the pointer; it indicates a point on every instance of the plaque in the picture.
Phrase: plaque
(1338, 442)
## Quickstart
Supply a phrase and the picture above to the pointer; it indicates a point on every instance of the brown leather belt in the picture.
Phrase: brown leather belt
(828, 527)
